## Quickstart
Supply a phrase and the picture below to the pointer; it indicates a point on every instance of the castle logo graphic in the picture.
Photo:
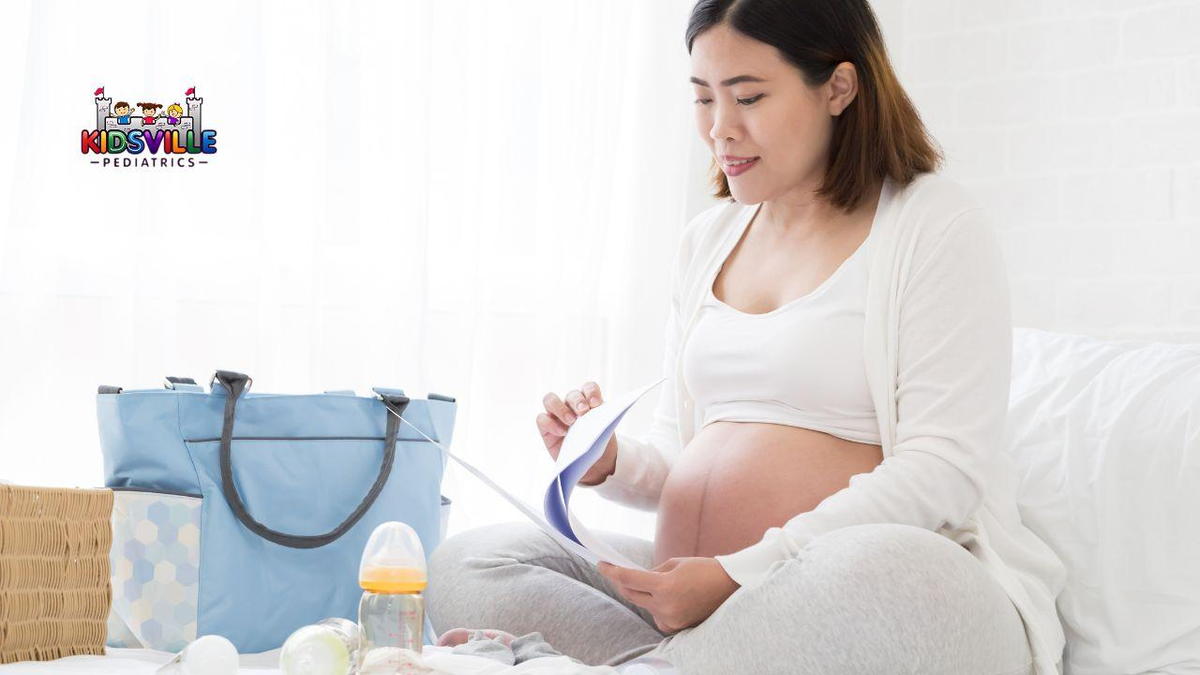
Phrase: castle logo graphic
(157, 135)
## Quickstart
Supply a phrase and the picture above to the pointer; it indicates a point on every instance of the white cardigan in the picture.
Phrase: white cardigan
(939, 374)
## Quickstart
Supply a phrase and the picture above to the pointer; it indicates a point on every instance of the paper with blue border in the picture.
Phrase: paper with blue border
(582, 446)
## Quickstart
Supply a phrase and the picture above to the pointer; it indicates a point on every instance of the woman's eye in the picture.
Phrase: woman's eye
(741, 101)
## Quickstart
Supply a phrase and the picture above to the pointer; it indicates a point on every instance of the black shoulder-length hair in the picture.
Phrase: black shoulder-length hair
(880, 134)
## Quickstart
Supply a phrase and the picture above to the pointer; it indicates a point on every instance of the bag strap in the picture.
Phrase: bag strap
(236, 384)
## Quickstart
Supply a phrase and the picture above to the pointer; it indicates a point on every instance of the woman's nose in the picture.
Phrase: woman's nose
(723, 124)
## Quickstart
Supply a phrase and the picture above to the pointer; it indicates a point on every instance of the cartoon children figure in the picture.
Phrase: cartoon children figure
(149, 112)
(174, 113)
(122, 110)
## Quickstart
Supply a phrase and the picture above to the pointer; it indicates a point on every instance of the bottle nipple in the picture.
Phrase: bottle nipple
(393, 560)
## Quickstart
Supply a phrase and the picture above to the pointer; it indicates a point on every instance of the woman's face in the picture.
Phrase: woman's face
(776, 118)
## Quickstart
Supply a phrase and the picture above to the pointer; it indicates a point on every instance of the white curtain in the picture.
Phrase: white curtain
(479, 199)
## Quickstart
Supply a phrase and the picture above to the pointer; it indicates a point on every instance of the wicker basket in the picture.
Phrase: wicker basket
(54, 572)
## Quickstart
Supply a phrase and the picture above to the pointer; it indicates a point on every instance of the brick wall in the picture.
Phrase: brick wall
(1078, 123)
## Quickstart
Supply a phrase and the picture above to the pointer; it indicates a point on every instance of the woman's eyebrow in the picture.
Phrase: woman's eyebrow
(730, 82)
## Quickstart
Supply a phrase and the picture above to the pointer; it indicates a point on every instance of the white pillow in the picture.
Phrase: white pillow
(1105, 436)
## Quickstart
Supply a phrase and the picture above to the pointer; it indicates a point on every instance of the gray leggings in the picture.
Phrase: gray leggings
(875, 598)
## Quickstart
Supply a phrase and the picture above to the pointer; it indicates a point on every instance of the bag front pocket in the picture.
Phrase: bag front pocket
(155, 561)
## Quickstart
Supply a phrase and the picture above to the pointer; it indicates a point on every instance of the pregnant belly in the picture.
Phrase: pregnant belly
(736, 479)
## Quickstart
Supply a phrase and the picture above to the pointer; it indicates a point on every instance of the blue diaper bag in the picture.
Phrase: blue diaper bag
(245, 514)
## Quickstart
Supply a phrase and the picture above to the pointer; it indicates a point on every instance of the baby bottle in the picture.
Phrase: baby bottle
(392, 576)
(206, 655)
(325, 648)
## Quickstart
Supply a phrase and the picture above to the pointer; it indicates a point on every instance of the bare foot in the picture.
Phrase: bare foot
(457, 636)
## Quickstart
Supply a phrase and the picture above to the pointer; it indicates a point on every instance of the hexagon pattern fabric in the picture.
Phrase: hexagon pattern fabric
(155, 570)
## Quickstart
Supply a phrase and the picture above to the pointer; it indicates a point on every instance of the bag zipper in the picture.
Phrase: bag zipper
(171, 493)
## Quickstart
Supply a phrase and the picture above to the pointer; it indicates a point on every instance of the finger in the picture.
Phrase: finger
(667, 565)
(639, 598)
(637, 580)
(576, 402)
(592, 391)
(550, 425)
(552, 438)
(556, 407)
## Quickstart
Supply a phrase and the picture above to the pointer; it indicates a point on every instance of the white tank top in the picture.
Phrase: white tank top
(800, 364)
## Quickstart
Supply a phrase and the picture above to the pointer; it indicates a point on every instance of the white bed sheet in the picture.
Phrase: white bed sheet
(440, 660)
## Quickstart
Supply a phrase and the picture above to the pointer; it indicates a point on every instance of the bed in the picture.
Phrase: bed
(1105, 437)
(439, 660)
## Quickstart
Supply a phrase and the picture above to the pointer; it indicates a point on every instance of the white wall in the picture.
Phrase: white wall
(1078, 123)
(452, 208)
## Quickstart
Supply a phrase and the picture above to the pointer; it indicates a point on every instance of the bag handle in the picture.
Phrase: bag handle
(236, 384)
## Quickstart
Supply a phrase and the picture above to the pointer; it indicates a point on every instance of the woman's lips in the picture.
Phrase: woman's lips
(739, 168)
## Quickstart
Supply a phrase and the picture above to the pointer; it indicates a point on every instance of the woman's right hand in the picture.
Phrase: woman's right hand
(561, 414)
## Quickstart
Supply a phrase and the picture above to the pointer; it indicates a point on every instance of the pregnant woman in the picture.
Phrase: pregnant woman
(826, 459)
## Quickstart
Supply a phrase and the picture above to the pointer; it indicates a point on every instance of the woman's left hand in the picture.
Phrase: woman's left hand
(679, 593)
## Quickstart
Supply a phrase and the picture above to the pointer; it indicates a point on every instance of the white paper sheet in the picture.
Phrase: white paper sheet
(582, 446)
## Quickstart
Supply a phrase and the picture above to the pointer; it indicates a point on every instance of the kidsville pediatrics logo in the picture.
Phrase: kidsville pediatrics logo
(155, 134)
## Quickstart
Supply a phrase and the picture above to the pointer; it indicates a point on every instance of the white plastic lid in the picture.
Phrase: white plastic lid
(393, 560)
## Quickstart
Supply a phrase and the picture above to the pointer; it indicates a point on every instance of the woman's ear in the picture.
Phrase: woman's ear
(843, 87)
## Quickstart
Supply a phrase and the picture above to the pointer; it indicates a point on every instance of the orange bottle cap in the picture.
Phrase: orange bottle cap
(393, 560)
